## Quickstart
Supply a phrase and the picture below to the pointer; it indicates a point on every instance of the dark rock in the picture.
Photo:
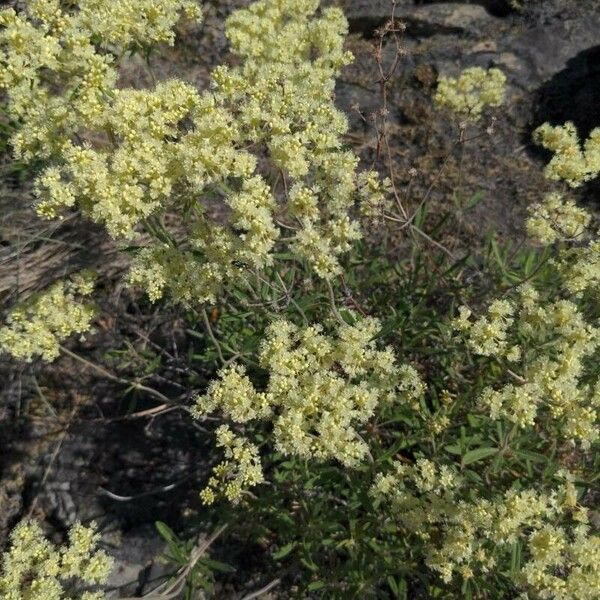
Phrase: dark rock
(497, 8)
(543, 50)
(421, 21)
(572, 94)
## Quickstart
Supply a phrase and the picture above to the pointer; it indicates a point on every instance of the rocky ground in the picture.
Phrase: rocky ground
(66, 451)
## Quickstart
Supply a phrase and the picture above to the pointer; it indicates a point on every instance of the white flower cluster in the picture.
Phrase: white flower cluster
(240, 471)
(557, 219)
(578, 261)
(572, 162)
(320, 389)
(123, 156)
(471, 92)
(554, 347)
(38, 325)
(580, 267)
(488, 336)
(468, 537)
(282, 97)
(34, 569)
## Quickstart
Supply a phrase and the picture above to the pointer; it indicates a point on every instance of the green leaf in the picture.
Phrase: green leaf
(309, 564)
(473, 420)
(398, 587)
(166, 532)
(478, 454)
(217, 565)
(283, 551)
(532, 456)
(515, 559)
(499, 259)
(285, 256)
(453, 449)
(315, 585)
(475, 199)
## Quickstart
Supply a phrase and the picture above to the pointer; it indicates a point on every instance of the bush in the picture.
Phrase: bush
(413, 427)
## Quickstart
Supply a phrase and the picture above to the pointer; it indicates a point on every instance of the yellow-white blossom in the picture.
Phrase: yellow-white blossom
(556, 218)
(471, 92)
(125, 156)
(241, 469)
(573, 161)
(40, 324)
(464, 537)
(558, 343)
(321, 389)
(33, 568)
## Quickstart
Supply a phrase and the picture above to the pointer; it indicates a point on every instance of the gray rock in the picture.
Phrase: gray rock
(449, 17)
(544, 49)
(425, 20)
(137, 556)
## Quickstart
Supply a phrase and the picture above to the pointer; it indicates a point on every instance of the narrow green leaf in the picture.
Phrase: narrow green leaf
(315, 585)
(283, 551)
(217, 565)
(475, 199)
(478, 454)
(532, 456)
(453, 449)
(166, 532)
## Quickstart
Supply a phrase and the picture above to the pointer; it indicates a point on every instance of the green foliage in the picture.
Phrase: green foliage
(180, 553)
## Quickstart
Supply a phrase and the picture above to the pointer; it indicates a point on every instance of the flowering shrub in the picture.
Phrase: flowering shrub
(571, 162)
(37, 326)
(376, 438)
(35, 568)
(469, 536)
(319, 389)
(471, 92)
(555, 341)
(124, 155)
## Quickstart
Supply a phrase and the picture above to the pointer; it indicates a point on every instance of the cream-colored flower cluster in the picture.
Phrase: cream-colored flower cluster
(133, 22)
(374, 194)
(580, 267)
(571, 162)
(557, 219)
(159, 268)
(477, 536)
(471, 92)
(58, 64)
(35, 569)
(124, 156)
(320, 390)
(488, 334)
(555, 345)
(282, 97)
(110, 149)
(36, 327)
(578, 261)
(241, 469)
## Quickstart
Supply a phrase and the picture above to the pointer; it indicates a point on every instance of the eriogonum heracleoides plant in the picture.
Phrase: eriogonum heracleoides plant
(263, 142)
(124, 156)
(34, 568)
